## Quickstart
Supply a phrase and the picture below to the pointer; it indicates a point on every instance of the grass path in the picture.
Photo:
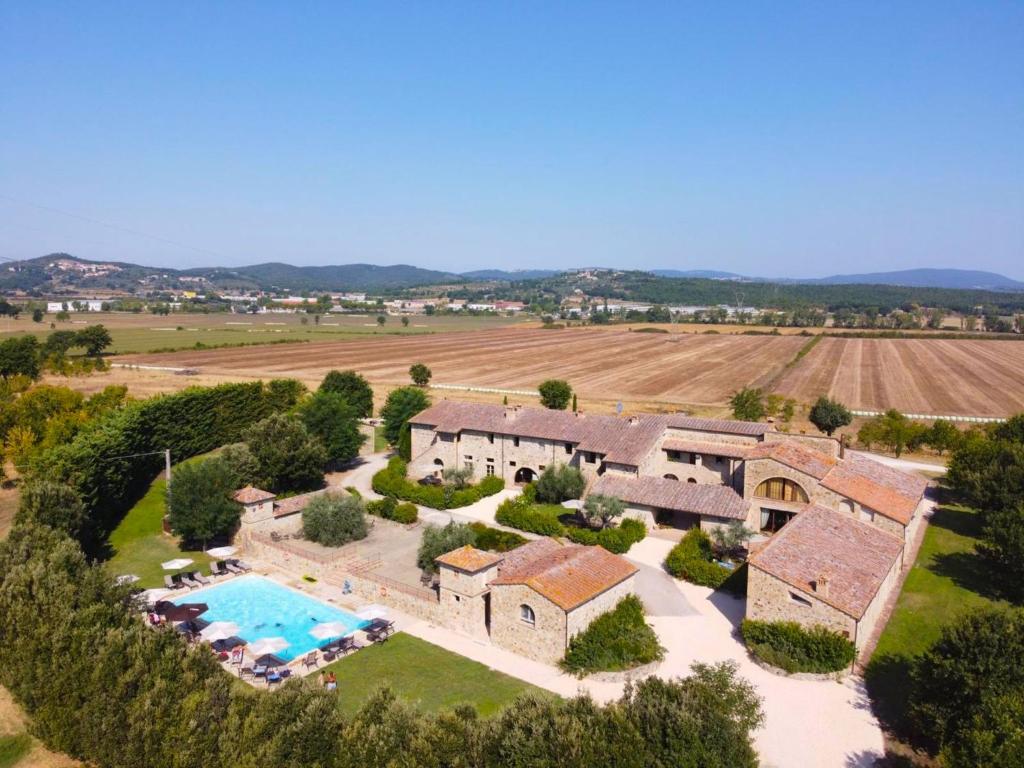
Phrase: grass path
(425, 675)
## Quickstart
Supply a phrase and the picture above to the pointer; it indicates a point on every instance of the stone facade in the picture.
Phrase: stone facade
(771, 599)
(545, 640)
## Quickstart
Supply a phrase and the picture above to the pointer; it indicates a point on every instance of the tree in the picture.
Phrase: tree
(829, 415)
(405, 322)
(401, 405)
(37, 315)
(574, 402)
(199, 503)
(894, 431)
(54, 504)
(437, 541)
(748, 404)
(95, 339)
(457, 477)
(58, 343)
(288, 456)
(943, 436)
(353, 387)
(730, 538)
(555, 394)
(558, 483)
(975, 660)
(381, 319)
(284, 393)
(242, 463)
(334, 519)
(63, 316)
(19, 356)
(602, 509)
(329, 416)
(420, 374)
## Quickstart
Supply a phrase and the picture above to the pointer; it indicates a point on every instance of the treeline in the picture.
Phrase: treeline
(103, 687)
(27, 356)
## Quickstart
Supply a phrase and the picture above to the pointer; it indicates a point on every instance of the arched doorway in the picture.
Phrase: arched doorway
(525, 475)
(690, 480)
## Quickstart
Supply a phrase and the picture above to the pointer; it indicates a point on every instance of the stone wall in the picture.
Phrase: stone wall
(580, 617)
(877, 605)
(544, 641)
(769, 599)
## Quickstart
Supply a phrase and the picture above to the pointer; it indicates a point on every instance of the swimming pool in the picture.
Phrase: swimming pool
(263, 608)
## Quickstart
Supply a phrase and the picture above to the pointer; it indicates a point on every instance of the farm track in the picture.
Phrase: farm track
(970, 377)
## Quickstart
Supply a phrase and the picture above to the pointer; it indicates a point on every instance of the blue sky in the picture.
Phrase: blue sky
(789, 139)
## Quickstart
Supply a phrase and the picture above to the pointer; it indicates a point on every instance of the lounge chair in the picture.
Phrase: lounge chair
(246, 671)
(260, 670)
(348, 644)
(197, 576)
(232, 568)
(310, 660)
(218, 569)
(273, 677)
(188, 581)
(171, 583)
(240, 564)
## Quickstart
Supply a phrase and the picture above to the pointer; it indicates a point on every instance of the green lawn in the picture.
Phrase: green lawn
(948, 578)
(380, 443)
(139, 544)
(423, 674)
(13, 749)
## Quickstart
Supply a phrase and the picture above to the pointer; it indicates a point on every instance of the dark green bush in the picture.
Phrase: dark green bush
(495, 539)
(617, 640)
(390, 509)
(405, 513)
(617, 540)
(692, 560)
(333, 519)
(789, 646)
(437, 541)
(560, 482)
(392, 481)
(532, 518)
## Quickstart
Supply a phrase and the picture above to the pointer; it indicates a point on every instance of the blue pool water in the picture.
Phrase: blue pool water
(263, 608)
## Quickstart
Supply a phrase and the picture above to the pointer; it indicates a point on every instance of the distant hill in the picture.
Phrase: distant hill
(711, 274)
(340, 277)
(970, 279)
(509, 275)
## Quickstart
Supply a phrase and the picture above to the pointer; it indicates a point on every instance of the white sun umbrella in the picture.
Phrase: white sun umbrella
(222, 551)
(219, 630)
(127, 578)
(176, 564)
(372, 611)
(267, 645)
(329, 629)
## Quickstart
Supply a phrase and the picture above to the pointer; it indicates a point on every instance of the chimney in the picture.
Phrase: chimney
(821, 585)
(842, 446)
(510, 413)
(634, 419)
(578, 414)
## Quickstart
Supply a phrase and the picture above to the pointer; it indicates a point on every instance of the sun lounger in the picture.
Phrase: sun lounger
(197, 576)
(171, 583)
(232, 568)
(310, 660)
(259, 670)
(218, 569)
(240, 564)
(274, 678)
(188, 581)
(348, 644)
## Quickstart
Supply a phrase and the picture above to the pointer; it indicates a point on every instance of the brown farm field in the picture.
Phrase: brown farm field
(923, 376)
(652, 370)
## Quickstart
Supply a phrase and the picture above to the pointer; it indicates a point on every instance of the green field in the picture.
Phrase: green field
(140, 545)
(151, 333)
(948, 579)
(13, 749)
(424, 675)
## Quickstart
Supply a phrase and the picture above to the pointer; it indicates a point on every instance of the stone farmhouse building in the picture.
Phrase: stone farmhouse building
(533, 599)
(836, 524)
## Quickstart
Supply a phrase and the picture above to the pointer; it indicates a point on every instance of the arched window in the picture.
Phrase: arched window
(671, 477)
(690, 480)
(438, 463)
(527, 615)
(781, 489)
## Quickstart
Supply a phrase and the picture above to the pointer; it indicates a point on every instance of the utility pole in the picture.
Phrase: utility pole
(167, 471)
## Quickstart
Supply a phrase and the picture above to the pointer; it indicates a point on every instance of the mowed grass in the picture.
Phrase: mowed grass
(380, 442)
(149, 333)
(14, 748)
(139, 544)
(948, 579)
(424, 675)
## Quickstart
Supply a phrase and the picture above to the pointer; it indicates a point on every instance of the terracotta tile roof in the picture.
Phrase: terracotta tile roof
(885, 490)
(568, 575)
(294, 504)
(618, 440)
(250, 495)
(697, 498)
(818, 542)
(732, 450)
(810, 462)
(725, 426)
(468, 559)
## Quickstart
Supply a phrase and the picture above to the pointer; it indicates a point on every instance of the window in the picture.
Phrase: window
(468, 466)
(591, 458)
(773, 519)
(693, 458)
(718, 459)
(515, 441)
(675, 455)
(799, 600)
(781, 489)
(690, 480)
(490, 438)
(568, 447)
(438, 463)
(541, 467)
(527, 615)
(468, 457)
(511, 463)
(490, 470)
(671, 477)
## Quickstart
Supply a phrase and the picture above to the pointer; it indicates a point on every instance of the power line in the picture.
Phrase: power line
(116, 227)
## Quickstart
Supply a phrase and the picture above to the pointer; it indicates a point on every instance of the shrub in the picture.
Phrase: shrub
(54, 504)
(495, 539)
(691, 560)
(199, 502)
(560, 482)
(390, 509)
(533, 518)
(617, 640)
(405, 513)
(332, 520)
(393, 482)
(617, 540)
(436, 541)
(789, 646)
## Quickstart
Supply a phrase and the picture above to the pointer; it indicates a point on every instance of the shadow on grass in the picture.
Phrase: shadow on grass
(958, 520)
(888, 679)
(969, 569)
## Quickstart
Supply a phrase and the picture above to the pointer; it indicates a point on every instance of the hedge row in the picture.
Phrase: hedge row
(110, 691)
(617, 640)
(789, 646)
(692, 559)
(544, 519)
(390, 509)
(113, 459)
(392, 481)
